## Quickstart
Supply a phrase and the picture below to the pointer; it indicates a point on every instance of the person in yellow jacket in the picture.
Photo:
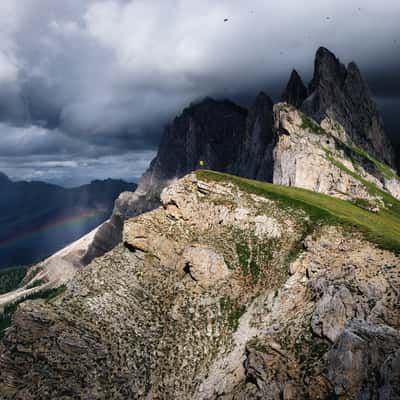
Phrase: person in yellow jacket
(201, 163)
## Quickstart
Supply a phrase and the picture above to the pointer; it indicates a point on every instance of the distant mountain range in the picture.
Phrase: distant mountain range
(37, 218)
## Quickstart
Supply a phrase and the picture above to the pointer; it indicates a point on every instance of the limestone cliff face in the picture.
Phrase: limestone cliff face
(324, 159)
(342, 94)
(218, 294)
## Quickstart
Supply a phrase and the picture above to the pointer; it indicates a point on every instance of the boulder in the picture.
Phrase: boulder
(204, 265)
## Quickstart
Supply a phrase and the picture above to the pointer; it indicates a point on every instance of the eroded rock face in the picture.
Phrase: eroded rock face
(344, 338)
(332, 311)
(128, 204)
(254, 144)
(322, 159)
(227, 138)
(342, 94)
(196, 305)
(358, 362)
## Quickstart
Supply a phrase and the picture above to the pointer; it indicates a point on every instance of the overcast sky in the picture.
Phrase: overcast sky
(87, 85)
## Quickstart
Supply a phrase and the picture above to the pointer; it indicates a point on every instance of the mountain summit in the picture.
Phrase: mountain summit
(341, 94)
(296, 91)
(210, 131)
(228, 138)
(204, 285)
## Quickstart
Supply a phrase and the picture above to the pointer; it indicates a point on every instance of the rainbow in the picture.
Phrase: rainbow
(75, 219)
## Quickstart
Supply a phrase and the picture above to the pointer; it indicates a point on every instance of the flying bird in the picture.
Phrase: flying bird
(226, 20)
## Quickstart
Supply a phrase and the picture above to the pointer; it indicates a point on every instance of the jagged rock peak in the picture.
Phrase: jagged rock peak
(262, 100)
(341, 94)
(295, 92)
(327, 67)
(210, 130)
(209, 102)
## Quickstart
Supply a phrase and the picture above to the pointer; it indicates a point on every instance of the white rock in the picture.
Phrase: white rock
(205, 265)
(267, 226)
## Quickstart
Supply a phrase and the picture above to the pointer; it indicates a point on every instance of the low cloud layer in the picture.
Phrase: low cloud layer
(86, 86)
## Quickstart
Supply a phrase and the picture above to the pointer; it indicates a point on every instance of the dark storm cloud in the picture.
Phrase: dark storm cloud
(86, 86)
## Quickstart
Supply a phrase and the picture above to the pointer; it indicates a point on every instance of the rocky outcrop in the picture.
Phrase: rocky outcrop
(204, 265)
(342, 94)
(295, 92)
(326, 160)
(364, 361)
(219, 293)
(346, 349)
(128, 204)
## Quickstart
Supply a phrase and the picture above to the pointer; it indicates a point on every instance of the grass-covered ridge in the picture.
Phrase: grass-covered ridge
(382, 228)
(355, 152)
(383, 169)
(392, 203)
(311, 126)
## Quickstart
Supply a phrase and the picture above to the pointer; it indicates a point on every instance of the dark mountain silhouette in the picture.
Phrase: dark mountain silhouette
(38, 218)
(296, 91)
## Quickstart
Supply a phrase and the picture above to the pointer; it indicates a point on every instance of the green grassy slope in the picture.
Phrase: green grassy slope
(382, 228)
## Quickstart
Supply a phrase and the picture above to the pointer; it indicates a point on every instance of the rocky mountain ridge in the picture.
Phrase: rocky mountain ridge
(260, 143)
(210, 286)
(232, 289)
(227, 138)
